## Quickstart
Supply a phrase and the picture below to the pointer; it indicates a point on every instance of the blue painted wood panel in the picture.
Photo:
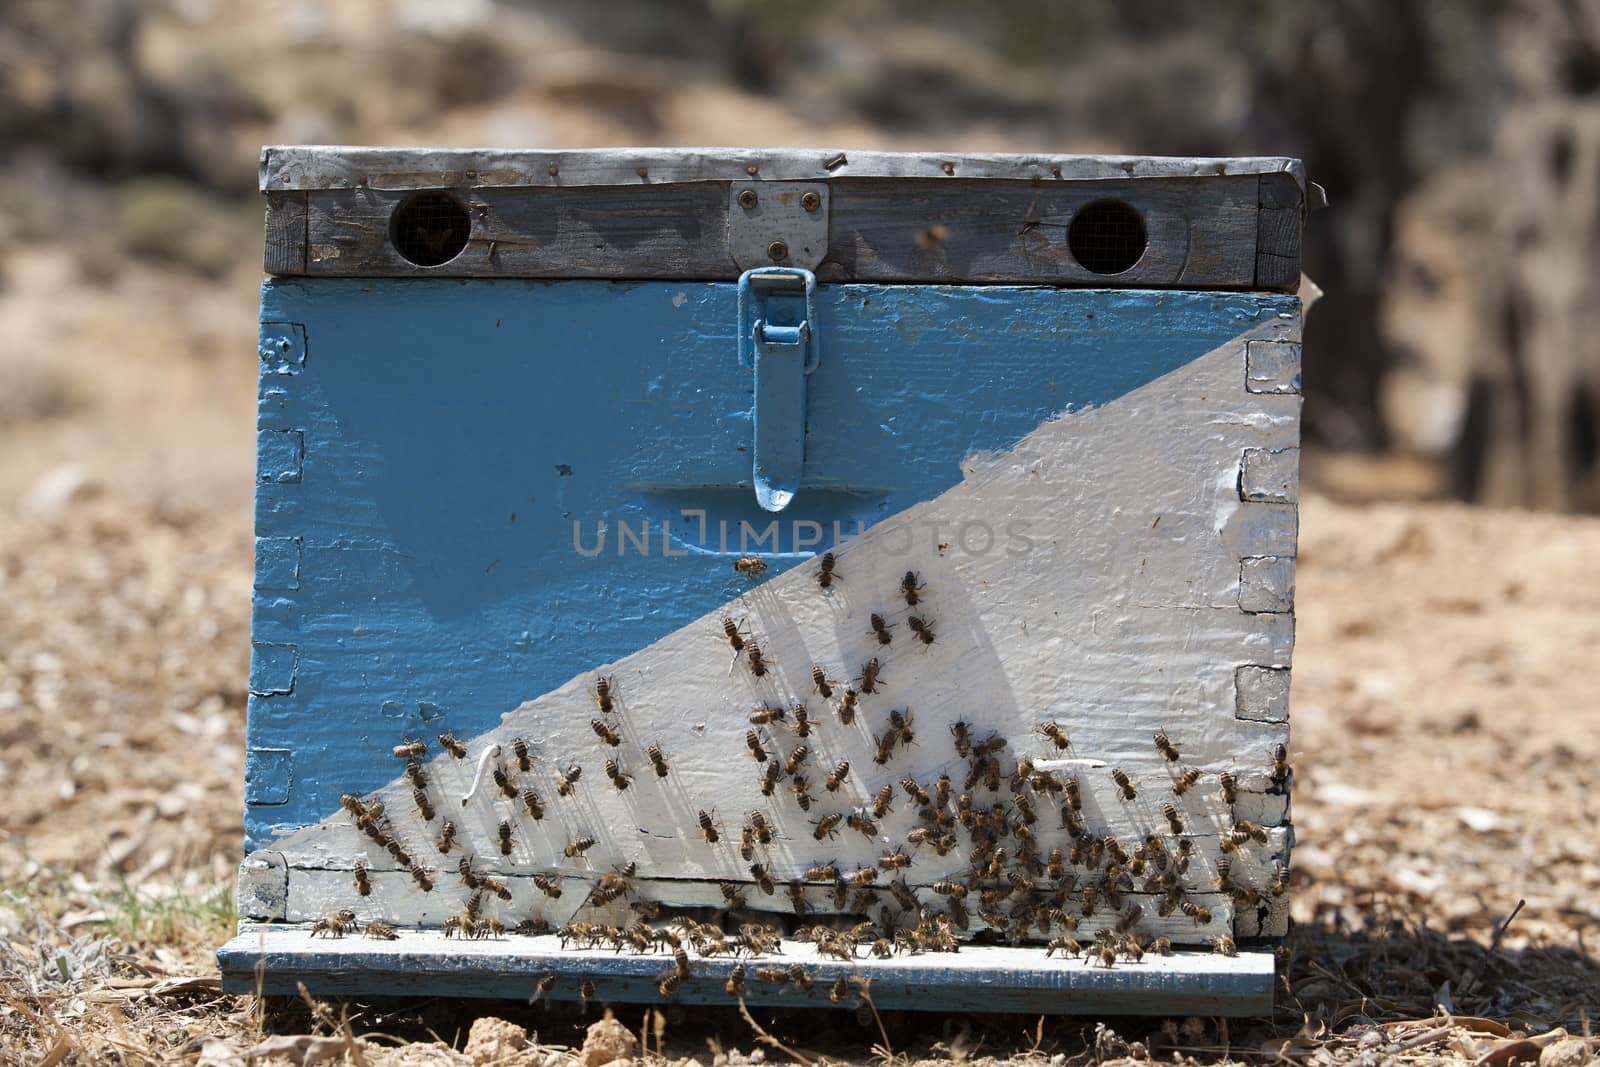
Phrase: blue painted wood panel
(445, 455)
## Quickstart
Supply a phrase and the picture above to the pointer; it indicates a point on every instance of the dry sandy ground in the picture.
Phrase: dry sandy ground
(1445, 732)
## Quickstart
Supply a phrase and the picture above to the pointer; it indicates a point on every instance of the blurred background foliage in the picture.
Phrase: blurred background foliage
(1459, 141)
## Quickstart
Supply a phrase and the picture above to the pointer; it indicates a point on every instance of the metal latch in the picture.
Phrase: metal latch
(778, 340)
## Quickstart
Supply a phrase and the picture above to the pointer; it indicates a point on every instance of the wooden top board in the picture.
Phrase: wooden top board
(712, 213)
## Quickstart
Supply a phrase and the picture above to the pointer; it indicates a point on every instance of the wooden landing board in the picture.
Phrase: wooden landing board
(271, 959)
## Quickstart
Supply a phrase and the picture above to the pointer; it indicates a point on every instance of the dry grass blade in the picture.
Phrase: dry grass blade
(767, 1039)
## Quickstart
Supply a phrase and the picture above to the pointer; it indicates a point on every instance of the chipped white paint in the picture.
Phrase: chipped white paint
(1105, 575)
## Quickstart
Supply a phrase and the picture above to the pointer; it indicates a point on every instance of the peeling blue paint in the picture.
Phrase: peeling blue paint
(435, 410)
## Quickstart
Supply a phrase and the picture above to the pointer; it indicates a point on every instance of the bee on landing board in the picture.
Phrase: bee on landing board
(363, 884)
(708, 827)
(758, 664)
(751, 565)
(658, 759)
(910, 586)
(847, 707)
(734, 635)
(871, 674)
(880, 629)
(567, 781)
(820, 683)
(1125, 785)
(826, 575)
(605, 733)
(453, 746)
(519, 748)
(410, 750)
(1164, 745)
(921, 628)
(619, 778)
(1055, 733)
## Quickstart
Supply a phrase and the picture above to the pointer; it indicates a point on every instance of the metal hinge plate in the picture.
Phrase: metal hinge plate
(778, 340)
(777, 224)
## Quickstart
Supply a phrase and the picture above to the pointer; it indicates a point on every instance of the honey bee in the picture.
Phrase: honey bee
(380, 932)
(901, 722)
(567, 780)
(585, 992)
(797, 786)
(827, 826)
(603, 694)
(1161, 946)
(450, 744)
(941, 791)
(895, 861)
(747, 843)
(799, 977)
(766, 714)
(548, 885)
(1250, 830)
(1224, 874)
(423, 879)
(735, 983)
(1056, 866)
(505, 837)
(410, 750)
(495, 886)
(1087, 902)
(763, 879)
(504, 782)
(752, 741)
(1230, 787)
(709, 828)
(1280, 764)
(1185, 781)
(1123, 783)
(822, 872)
(658, 759)
(1200, 915)
(542, 985)
(847, 707)
(885, 747)
(883, 803)
(1055, 733)
(577, 846)
(1025, 809)
(363, 884)
(919, 836)
(949, 888)
(770, 777)
(1129, 919)
(735, 638)
(1185, 854)
(733, 896)
(989, 746)
(1223, 945)
(605, 733)
(619, 778)
(870, 676)
(802, 719)
(796, 758)
(1067, 946)
(915, 791)
(863, 877)
(415, 774)
(839, 991)
(772, 975)
(424, 805)
(750, 565)
(836, 779)
(826, 575)
(1280, 879)
(1174, 820)
(862, 824)
(762, 827)
(909, 587)
(961, 730)
(920, 627)
(758, 665)
(820, 683)
(880, 629)
(337, 924)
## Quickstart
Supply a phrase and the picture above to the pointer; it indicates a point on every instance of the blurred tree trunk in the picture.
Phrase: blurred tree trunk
(1531, 435)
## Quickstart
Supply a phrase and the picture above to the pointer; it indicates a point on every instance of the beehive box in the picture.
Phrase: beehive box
(842, 567)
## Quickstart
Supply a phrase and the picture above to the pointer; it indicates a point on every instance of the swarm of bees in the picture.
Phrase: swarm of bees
(975, 829)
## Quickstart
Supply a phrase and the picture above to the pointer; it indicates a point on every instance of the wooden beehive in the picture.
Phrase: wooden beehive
(877, 555)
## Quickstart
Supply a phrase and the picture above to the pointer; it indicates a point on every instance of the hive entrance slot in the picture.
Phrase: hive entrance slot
(1107, 237)
(430, 229)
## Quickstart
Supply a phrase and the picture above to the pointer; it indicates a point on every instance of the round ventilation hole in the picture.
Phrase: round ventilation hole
(430, 229)
(1107, 237)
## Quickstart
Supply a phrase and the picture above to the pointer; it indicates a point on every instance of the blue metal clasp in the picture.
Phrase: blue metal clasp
(778, 340)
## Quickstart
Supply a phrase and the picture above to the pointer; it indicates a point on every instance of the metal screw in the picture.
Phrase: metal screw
(777, 250)
(747, 199)
(810, 201)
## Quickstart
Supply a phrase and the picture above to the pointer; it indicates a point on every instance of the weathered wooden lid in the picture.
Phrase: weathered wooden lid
(711, 213)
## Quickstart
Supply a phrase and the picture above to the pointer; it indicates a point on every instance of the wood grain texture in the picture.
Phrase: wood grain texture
(272, 959)
(285, 248)
(1201, 232)
(1283, 211)
(305, 167)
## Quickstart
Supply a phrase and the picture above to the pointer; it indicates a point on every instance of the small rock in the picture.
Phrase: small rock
(1568, 1052)
(493, 1040)
(608, 1040)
